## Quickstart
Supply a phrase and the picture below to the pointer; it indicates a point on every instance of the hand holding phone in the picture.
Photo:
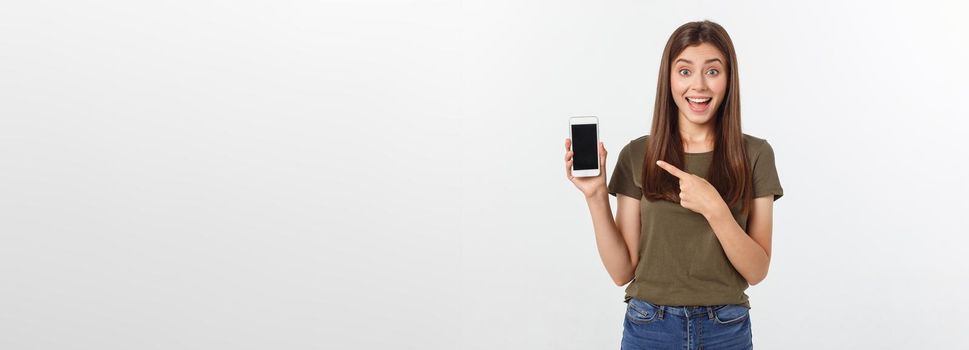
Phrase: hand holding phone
(585, 166)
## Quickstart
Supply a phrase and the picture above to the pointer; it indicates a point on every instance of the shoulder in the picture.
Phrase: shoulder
(636, 148)
(754, 141)
(639, 140)
(755, 146)
(631, 159)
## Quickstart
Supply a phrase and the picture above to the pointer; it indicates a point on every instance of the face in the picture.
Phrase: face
(698, 81)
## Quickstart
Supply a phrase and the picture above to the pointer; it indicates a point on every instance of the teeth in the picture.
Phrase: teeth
(698, 100)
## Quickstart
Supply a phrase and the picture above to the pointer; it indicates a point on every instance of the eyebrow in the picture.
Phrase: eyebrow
(707, 61)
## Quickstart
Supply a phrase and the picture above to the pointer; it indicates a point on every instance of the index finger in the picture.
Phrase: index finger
(672, 169)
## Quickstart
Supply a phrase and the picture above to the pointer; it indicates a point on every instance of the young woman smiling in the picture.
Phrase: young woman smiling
(695, 196)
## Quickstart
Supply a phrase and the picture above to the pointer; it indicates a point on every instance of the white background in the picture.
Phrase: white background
(362, 175)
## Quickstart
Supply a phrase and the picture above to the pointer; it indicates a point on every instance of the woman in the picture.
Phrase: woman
(695, 196)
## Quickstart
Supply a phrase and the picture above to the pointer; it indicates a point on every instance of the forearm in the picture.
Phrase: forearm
(612, 247)
(746, 256)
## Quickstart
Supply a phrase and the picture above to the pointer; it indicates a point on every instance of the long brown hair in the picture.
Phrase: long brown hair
(729, 171)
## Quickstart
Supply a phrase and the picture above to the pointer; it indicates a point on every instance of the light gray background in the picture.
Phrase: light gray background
(362, 175)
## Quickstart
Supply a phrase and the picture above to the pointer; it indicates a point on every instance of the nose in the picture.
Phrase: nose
(699, 83)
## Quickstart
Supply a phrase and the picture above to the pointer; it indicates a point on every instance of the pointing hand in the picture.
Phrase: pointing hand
(696, 193)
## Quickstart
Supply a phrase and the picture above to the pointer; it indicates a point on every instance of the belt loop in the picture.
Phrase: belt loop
(661, 308)
(710, 312)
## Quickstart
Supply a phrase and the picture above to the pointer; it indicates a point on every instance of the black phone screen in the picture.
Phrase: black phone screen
(584, 142)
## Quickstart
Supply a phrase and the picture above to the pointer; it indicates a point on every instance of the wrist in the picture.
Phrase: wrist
(718, 212)
(597, 195)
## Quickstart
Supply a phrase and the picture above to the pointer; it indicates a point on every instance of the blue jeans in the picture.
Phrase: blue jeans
(650, 326)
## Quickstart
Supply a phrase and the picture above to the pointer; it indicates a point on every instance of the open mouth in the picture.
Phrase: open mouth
(699, 104)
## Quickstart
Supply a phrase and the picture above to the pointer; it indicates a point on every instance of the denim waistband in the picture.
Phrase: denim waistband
(683, 311)
(689, 311)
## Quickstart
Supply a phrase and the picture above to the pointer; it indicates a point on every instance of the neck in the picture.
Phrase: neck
(697, 137)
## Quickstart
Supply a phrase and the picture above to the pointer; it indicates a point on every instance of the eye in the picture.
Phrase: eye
(713, 71)
(684, 72)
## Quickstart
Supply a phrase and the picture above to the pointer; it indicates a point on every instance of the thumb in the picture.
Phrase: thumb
(602, 158)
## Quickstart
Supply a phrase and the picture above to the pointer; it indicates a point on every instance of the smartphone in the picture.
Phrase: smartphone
(585, 146)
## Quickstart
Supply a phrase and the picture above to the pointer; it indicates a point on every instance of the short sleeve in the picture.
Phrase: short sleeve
(622, 180)
(766, 181)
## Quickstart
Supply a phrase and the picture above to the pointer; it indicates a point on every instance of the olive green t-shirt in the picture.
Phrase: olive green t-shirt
(681, 261)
